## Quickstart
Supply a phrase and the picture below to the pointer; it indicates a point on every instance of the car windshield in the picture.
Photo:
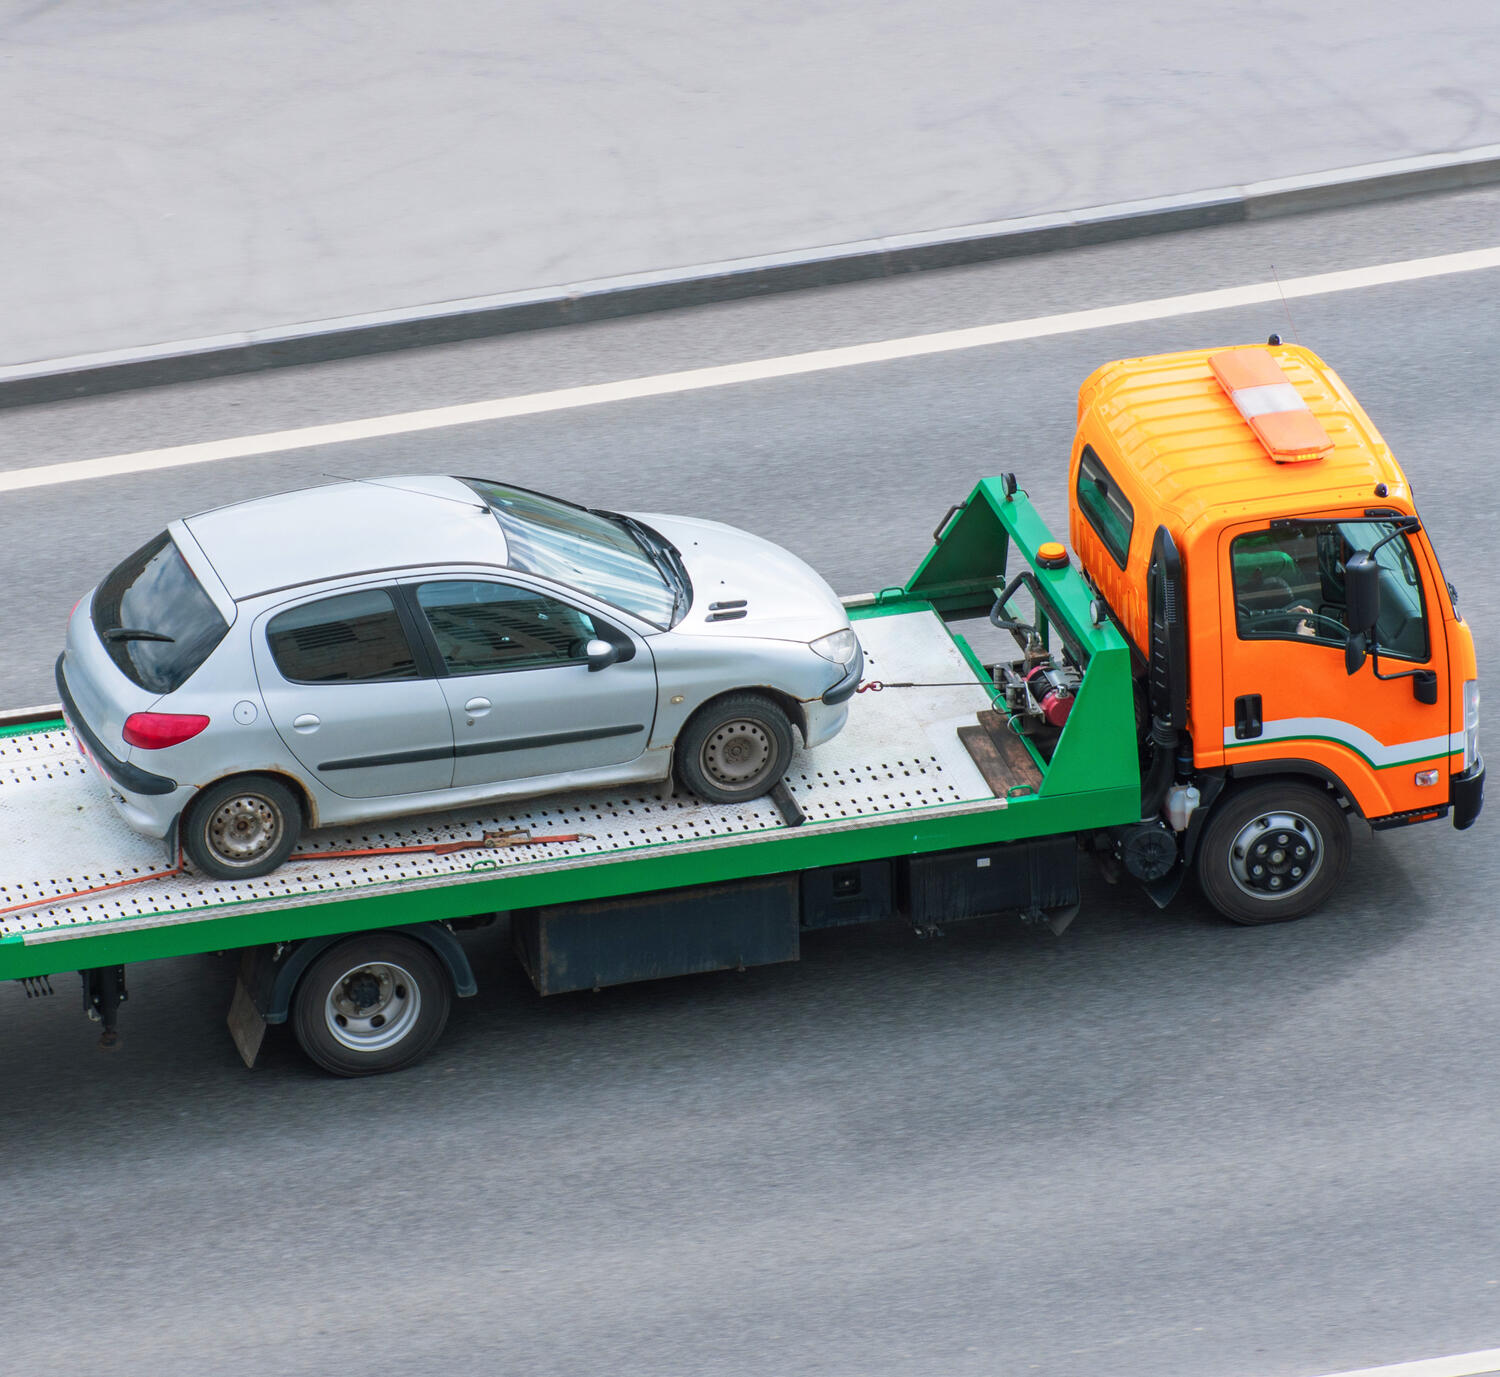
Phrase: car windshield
(609, 557)
(154, 618)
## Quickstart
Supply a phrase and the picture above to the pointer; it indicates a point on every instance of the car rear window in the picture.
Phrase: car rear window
(351, 638)
(154, 591)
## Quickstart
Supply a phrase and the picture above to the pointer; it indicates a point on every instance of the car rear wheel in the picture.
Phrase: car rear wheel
(735, 748)
(242, 827)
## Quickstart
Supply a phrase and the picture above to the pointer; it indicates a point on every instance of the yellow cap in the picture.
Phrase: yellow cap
(1051, 555)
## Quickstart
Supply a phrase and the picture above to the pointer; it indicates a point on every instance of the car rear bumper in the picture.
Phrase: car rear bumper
(126, 775)
(149, 803)
(1466, 791)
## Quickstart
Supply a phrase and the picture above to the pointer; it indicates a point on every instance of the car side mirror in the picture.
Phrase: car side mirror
(600, 654)
(1355, 650)
(1361, 592)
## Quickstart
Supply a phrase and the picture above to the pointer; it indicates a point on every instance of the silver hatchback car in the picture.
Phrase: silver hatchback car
(375, 648)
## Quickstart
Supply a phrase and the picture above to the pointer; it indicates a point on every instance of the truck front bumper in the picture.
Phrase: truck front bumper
(1467, 794)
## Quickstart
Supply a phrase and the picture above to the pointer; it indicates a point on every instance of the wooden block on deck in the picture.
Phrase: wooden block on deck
(1000, 754)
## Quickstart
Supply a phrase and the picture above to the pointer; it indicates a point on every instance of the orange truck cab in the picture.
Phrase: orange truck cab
(1299, 655)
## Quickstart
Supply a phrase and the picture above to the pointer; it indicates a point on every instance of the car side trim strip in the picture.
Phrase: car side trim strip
(366, 762)
(530, 743)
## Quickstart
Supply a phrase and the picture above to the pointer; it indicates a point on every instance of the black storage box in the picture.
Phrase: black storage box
(1013, 877)
(835, 895)
(588, 945)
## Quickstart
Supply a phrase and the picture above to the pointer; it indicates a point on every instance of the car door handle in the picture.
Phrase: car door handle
(306, 722)
(477, 707)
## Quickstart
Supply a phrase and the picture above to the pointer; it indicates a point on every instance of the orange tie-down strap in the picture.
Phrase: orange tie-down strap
(514, 836)
(1270, 404)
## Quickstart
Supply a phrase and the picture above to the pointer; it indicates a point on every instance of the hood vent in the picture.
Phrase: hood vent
(726, 611)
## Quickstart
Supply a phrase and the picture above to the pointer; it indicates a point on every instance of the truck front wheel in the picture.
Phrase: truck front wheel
(1273, 852)
(371, 1003)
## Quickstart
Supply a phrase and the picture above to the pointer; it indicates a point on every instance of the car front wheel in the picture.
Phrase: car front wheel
(735, 748)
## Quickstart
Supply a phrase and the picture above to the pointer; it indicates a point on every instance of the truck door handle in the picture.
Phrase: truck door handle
(477, 707)
(306, 722)
(1247, 721)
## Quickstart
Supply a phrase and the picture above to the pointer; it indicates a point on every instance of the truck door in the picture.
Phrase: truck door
(1287, 694)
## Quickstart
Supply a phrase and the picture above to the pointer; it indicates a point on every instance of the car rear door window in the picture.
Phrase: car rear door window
(481, 626)
(350, 638)
(155, 619)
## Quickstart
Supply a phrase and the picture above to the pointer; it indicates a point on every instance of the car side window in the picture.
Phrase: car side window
(346, 639)
(1104, 506)
(481, 626)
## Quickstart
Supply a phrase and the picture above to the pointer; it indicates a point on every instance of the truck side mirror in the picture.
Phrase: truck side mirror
(1355, 650)
(1361, 592)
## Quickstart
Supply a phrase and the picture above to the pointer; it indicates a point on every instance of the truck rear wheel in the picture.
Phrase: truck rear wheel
(1273, 852)
(372, 1003)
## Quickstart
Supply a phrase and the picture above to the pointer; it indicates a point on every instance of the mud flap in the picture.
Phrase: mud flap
(246, 1026)
(1164, 890)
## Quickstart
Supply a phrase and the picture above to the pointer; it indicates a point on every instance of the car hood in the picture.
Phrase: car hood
(784, 599)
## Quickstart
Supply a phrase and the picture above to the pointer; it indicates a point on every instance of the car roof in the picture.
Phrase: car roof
(296, 538)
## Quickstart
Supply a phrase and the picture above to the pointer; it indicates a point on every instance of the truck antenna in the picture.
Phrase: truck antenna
(1289, 323)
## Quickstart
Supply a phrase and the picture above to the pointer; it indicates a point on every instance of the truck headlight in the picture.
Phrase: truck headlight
(841, 647)
(1471, 723)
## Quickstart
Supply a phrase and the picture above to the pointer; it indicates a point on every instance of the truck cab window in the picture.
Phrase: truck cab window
(1104, 506)
(1289, 585)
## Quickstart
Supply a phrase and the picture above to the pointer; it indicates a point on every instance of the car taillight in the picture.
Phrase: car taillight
(153, 730)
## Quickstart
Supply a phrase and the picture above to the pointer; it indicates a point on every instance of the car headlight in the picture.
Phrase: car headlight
(841, 647)
(1471, 723)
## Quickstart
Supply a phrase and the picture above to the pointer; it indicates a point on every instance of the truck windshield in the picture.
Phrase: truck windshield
(610, 557)
(155, 619)
(1289, 584)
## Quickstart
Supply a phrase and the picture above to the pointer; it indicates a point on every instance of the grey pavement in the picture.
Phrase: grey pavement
(179, 170)
(1159, 1146)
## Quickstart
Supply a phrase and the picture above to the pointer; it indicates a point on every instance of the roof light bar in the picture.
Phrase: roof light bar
(1273, 408)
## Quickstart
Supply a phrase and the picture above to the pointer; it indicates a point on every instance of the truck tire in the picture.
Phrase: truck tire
(1273, 852)
(241, 827)
(734, 749)
(371, 1003)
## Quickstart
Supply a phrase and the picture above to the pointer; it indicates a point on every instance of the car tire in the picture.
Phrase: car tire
(371, 1003)
(241, 827)
(1273, 852)
(734, 749)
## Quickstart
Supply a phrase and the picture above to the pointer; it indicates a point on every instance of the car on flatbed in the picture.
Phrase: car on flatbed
(369, 649)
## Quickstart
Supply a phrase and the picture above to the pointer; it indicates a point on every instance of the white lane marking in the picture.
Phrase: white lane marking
(1458, 1365)
(757, 370)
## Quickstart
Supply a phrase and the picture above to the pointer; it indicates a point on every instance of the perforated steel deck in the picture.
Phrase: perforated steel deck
(59, 834)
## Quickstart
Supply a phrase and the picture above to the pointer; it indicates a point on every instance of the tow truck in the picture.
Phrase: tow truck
(1252, 646)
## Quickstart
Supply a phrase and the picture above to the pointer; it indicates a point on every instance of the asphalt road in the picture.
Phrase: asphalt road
(182, 168)
(1159, 1146)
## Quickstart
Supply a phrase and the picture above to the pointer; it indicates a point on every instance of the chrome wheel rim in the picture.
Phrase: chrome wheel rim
(243, 828)
(736, 754)
(1275, 854)
(372, 1007)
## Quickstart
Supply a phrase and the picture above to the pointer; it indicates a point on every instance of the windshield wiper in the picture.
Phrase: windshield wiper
(663, 554)
(132, 633)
